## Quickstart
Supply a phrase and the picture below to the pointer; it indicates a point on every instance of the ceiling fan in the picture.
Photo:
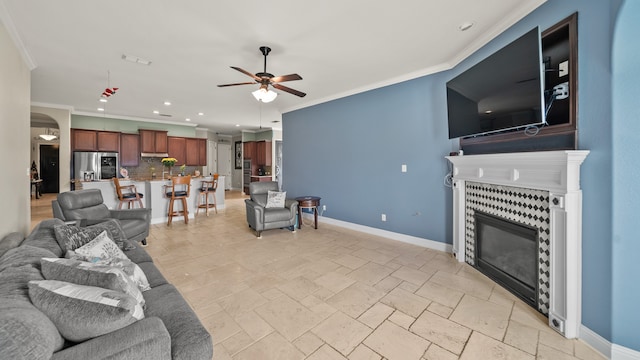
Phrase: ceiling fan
(265, 79)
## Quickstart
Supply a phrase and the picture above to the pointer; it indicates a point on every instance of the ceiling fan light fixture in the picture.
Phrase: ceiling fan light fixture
(264, 95)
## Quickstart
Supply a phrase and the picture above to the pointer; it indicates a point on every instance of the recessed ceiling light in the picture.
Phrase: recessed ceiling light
(103, 100)
(156, 112)
(465, 26)
(187, 119)
(237, 125)
(200, 113)
(100, 109)
(488, 112)
(135, 59)
(167, 103)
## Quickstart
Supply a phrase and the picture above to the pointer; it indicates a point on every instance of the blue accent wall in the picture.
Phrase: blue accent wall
(349, 151)
(626, 172)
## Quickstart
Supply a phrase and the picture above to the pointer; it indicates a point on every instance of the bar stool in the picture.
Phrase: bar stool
(180, 188)
(208, 187)
(130, 195)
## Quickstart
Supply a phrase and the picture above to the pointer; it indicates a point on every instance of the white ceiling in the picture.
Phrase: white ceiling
(338, 47)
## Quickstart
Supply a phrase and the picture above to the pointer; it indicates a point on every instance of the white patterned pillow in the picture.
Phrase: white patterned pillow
(131, 269)
(275, 199)
(101, 247)
(83, 312)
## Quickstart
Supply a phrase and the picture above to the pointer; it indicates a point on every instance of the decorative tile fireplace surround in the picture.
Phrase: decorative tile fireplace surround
(536, 189)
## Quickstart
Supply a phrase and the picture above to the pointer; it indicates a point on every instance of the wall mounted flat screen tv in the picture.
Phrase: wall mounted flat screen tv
(504, 91)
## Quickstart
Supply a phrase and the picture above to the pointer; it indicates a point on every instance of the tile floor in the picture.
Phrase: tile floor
(334, 293)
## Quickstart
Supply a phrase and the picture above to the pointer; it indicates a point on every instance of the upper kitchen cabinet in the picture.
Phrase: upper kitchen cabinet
(153, 141)
(177, 149)
(84, 140)
(249, 150)
(196, 151)
(92, 140)
(129, 149)
(202, 152)
(263, 153)
(108, 141)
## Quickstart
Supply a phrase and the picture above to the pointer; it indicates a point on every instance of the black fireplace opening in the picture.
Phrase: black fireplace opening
(507, 252)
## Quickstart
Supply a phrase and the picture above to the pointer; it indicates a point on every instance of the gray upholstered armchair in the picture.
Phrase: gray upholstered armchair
(262, 218)
(89, 206)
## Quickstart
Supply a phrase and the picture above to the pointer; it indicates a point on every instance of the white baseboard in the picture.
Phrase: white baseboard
(426, 243)
(605, 347)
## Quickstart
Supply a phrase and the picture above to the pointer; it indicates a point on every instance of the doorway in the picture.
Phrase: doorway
(224, 164)
(50, 168)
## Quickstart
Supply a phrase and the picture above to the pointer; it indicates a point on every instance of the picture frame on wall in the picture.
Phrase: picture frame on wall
(238, 154)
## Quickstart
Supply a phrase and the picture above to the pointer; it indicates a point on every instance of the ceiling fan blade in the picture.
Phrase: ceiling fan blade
(290, 77)
(289, 90)
(246, 73)
(242, 83)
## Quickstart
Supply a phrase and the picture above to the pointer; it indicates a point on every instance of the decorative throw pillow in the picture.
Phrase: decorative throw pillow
(275, 199)
(71, 237)
(101, 247)
(83, 312)
(131, 269)
(91, 274)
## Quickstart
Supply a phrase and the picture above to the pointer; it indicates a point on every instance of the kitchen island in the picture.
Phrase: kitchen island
(154, 195)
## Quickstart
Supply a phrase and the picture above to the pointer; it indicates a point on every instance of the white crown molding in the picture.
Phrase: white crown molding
(52, 106)
(131, 118)
(5, 18)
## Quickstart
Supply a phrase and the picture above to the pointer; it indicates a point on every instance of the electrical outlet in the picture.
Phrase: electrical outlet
(384, 217)
(324, 207)
(404, 168)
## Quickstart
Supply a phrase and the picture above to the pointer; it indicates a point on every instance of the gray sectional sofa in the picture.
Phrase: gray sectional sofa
(169, 330)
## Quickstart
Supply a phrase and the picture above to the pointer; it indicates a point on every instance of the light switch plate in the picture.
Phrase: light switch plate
(404, 167)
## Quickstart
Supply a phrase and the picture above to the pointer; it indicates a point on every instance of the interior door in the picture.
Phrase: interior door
(224, 164)
(50, 169)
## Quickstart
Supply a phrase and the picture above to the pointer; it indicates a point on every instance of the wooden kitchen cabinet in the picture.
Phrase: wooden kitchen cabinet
(202, 152)
(129, 149)
(263, 153)
(153, 141)
(176, 147)
(84, 140)
(249, 150)
(108, 141)
(192, 151)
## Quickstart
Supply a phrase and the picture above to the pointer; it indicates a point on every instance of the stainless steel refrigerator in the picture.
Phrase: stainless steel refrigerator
(94, 166)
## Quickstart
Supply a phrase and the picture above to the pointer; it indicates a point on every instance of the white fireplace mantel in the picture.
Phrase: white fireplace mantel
(557, 172)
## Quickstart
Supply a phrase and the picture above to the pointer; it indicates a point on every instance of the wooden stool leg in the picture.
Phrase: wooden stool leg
(206, 202)
(185, 211)
(198, 207)
(170, 211)
(215, 203)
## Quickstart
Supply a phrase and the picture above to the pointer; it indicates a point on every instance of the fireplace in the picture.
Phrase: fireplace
(540, 190)
(507, 252)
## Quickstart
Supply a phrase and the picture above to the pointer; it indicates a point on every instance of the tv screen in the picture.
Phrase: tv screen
(503, 91)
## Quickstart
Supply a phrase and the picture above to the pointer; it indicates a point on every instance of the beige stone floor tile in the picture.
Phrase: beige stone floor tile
(334, 281)
(342, 332)
(323, 293)
(376, 315)
(221, 326)
(387, 284)
(442, 332)
(435, 352)
(272, 294)
(318, 306)
(440, 310)
(343, 270)
(355, 299)
(585, 352)
(271, 347)
(482, 347)
(525, 314)
(299, 288)
(326, 353)
(373, 255)
(413, 276)
(410, 287)
(442, 262)
(253, 325)
(350, 261)
(480, 290)
(548, 353)
(241, 302)
(288, 317)
(440, 294)
(363, 353)
(370, 273)
(237, 342)
(401, 319)
(396, 343)
(220, 353)
(308, 343)
(483, 316)
(522, 337)
(393, 265)
(407, 302)
(557, 342)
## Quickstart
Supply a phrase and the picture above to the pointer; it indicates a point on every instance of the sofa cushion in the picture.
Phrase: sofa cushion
(25, 332)
(43, 236)
(138, 254)
(14, 280)
(275, 199)
(189, 339)
(24, 255)
(83, 312)
(277, 214)
(91, 274)
(10, 241)
(101, 247)
(152, 273)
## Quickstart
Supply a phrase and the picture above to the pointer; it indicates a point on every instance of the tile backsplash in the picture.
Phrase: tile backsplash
(150, 166)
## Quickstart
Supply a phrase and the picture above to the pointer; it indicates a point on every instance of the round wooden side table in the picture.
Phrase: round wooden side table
(308, 202)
